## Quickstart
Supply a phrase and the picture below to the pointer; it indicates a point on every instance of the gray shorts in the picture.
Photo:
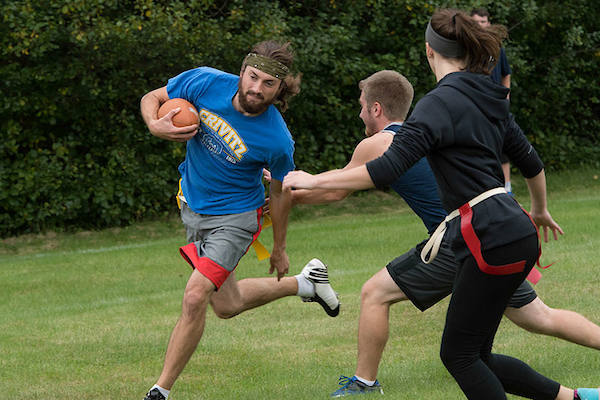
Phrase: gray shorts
(427, 284)
(224, 239)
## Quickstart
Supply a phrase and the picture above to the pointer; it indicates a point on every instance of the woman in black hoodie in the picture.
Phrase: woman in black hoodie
(463, 127)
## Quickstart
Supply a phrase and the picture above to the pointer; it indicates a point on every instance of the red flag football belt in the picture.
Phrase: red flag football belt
(466, 213)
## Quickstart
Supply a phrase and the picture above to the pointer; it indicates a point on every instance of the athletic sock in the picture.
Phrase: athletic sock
(508, 187)
(305, 287)
(366, 382)
(162, 390)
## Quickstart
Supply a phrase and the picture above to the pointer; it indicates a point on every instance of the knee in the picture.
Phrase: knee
(381, 290)
(196, 296)
(194, 303)
(368, 293)
(453, 360)
(448, 356)
(454, 356)
(457, 355)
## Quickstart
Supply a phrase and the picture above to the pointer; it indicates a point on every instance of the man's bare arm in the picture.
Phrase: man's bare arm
(280, 203)
(368, 149)
(163, 127)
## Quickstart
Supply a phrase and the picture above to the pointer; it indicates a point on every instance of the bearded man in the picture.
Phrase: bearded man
(222, 194)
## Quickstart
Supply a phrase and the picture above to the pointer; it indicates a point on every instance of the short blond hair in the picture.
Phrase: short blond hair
(390, 89)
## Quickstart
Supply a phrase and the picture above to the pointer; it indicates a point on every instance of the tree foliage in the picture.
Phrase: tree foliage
(75, 152)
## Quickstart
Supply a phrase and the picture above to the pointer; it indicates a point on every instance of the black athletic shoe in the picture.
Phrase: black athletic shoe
(154, 394)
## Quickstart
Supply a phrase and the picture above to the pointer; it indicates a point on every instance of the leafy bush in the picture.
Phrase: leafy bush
(76, 154)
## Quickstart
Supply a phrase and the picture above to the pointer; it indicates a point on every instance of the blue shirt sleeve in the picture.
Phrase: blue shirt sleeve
(189, 85)
(283, 162)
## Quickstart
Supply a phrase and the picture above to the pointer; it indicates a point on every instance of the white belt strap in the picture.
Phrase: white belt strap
(433, 244)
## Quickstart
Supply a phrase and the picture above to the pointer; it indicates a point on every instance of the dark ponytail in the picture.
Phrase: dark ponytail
(482, 45)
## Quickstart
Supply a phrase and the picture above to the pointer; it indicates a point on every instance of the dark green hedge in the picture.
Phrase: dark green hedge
(76, 154)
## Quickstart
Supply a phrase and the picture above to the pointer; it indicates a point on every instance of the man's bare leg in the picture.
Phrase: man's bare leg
(537, 317)
(377, 295)
(236, 297)
(188, 331)
(312, 283)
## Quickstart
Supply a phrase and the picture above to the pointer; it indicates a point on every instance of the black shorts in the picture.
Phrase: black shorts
(427, 284)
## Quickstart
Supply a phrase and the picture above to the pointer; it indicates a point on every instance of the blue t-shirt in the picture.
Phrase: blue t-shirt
(222, 171)
(418, 188)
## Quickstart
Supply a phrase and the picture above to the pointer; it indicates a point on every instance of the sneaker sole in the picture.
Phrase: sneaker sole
(331, 312)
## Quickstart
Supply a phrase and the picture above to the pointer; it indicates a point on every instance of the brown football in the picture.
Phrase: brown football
(188, 115)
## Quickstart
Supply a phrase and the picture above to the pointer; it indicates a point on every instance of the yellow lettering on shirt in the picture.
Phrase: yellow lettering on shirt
(211, 120)
(238, 147)
(223, 129)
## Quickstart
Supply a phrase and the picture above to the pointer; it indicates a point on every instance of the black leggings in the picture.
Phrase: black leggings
(475, 311)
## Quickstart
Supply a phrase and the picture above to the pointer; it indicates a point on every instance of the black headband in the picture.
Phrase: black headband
(446, 47)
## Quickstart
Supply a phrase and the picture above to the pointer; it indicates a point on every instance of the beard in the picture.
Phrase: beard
(255, 105)
(251, 106)
(370, 128)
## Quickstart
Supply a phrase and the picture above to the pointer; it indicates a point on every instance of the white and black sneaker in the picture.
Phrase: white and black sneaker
(154, 394)
(316, 272)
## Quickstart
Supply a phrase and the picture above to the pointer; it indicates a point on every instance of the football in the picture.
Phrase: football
(188, 115)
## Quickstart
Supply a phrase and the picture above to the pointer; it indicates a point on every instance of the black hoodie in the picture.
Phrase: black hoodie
(463, 126)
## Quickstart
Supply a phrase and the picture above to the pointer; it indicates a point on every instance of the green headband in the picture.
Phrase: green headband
(267, 65)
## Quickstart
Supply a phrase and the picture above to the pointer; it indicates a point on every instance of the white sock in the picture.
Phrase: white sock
(366, 382)
(164, 391)
(305, 287)
(508, 186)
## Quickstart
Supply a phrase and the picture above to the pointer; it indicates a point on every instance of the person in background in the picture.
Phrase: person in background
(501, 74)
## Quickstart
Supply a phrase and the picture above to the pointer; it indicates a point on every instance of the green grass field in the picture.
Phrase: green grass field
(88, 315)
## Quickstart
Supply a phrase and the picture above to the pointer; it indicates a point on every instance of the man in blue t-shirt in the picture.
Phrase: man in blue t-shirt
(221, 197)
(385, 100)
